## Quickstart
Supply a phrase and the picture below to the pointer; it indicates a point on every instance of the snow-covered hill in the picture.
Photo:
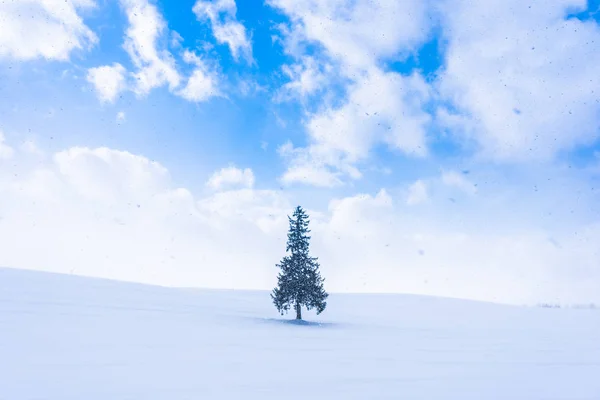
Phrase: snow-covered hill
(66, 338)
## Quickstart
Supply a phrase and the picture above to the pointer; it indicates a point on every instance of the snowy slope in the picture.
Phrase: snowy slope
(65, 337)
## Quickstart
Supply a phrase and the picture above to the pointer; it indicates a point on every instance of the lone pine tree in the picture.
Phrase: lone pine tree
(299, 282)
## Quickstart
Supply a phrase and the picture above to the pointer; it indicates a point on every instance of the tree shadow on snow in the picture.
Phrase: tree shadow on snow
(300, 322)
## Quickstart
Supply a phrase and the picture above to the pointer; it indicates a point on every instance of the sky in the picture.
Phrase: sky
(447, 148)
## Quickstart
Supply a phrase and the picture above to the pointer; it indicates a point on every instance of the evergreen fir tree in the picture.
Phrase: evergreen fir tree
(299, 282)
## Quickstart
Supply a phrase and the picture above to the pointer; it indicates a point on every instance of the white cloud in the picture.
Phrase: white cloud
(382, 108)
(516, 89)
(346, 28)
(50, 29)
(108, 80)
(82, 210)
(310, 174)
(358, 215)
(306, 77)
(121, 117)
(225, 27)
(279, 120)
(30, 146)
(416, 252)
(250, 87)
(266, 209)
(154, 64)
(155, 67)
(5, 150)
(176, 39)
(202, 84)
(458, 180)
(417, 193)
(107, 175)
(200, 87)
(231, 177)
(112, 214)
(522, 78)
(305, 167)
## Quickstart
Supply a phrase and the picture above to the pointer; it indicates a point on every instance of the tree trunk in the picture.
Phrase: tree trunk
(298, 311)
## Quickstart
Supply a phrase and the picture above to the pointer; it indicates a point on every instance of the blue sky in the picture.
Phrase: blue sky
(444, 148)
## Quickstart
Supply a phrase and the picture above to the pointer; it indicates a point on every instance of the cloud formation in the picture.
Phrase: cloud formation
(459, 181)
(110, 213)
(227, 30)
(231, 177)
(345, 29)
(521, 77)
(202, 83)
(48, 29)
(509, 89)
(380, 107)
(5, 150)
(501, 210)
(155, 67)
(417, 193)
(108, 81)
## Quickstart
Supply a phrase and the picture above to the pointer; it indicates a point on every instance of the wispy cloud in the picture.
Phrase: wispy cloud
(108, 81)
(38, 29)
(417, 193)
(226, 28)
(231, 177)
(154, 67)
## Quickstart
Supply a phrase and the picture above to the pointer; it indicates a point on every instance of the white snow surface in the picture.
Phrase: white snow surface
(65, 337)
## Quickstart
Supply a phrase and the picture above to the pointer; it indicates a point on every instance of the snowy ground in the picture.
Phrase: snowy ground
(65, 337)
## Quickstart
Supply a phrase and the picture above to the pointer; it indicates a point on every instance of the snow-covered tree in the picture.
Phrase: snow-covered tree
(299, 282)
